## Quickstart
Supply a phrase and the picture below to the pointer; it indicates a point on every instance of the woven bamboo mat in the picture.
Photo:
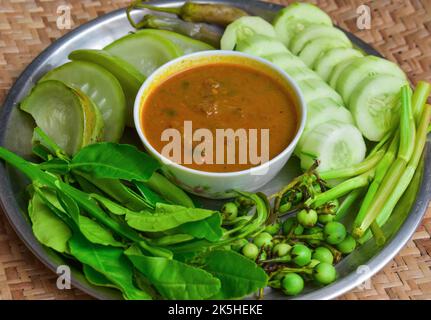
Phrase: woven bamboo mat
(400, 29)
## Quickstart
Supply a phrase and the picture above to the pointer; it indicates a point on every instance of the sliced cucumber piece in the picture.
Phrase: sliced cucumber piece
(243, 28)
(319, 113)
(375, 105)
(313, 89)
(259, 45)
(327, 62)
(294, 18)
(146, 52)
(102, 88)
(130, 79)
(335, 144)
(313, 32)
(339, 68)
(301, 73)
(285, 60)
(363, 68)
(59, 112)
(317, 47)
(187, 45)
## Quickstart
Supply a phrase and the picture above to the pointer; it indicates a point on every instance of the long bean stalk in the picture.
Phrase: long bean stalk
(422, 92)
(381, 170)
(354, 170)
(348, 202)
(390, 184)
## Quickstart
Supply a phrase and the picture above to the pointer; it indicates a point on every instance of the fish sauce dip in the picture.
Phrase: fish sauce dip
(220, 95)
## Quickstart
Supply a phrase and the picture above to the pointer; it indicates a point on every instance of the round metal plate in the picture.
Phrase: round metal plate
(16, 130)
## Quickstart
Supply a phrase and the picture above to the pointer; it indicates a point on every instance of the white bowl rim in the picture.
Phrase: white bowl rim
(253, 170)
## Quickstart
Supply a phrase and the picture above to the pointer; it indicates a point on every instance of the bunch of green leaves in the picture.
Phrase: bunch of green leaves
(109, 208)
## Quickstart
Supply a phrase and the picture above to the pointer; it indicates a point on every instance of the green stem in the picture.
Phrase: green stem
(341, 189)
(378, 234)
(356, 169)
(381, 170)
(407, 125)
(397, 179)
(422, 91)
(168, 190)
(347, 203)
(176, 10)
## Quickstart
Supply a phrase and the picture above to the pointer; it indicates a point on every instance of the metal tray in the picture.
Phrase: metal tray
(16, 130)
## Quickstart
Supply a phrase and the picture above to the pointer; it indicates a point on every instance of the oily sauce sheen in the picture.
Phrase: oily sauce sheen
(221, 96)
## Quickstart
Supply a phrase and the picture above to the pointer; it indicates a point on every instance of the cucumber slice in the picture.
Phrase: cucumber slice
(375, 105)
(187, 45)
(243, 28)
(102, 88)
(327, 62)
(321, 111)
(259, 45)
(339, 68)
(317, 47)
(146, 52)
(313, 89)
(335, 144)
(294, 18)
(313, 32)
(285, 60)
(301, 73)
(363, 68)
(130, 79)
(60, 112)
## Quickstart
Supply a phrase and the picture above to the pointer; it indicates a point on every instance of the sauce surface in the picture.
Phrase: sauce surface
(220, 96)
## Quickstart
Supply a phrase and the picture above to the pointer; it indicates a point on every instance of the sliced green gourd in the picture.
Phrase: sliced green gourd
(375, 105)
(187, 44)
(313, 32)
(102, 88)
(294, 18)
(363, 68)
(259, 45)
(62, 114)
(339, 68)
(336, 145)
(130, 79)
(243, 28)
(146, 52)
(317, 47)
(313, 89)
(284, 61)
(326, 63)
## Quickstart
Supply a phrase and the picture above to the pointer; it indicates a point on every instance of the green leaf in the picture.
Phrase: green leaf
(56, 166)
(91, 229)
(110, 262)
(165, 217)
(238, 275)
(174, 279)
(96, 278)
(209, 228)
(114, 161)
(47, 227)
(149, 195)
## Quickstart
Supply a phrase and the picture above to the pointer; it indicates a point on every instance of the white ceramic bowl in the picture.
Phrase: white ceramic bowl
(217, 185)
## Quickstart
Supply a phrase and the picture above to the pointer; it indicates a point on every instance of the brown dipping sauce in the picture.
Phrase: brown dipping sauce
(221, 96)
